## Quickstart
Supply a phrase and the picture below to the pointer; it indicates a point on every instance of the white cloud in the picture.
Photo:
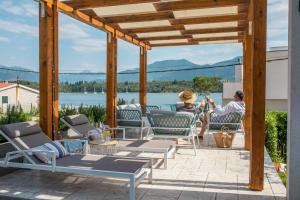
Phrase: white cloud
(89, 45)
(71, 31)
(4, 39)
(277, 43)
(20, 28)
(19, 9)
(273, 32)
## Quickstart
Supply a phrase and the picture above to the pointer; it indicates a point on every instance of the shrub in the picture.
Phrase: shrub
(64, 111)
(14, 114)
(281, 119)
(276, 135)
(94, 114)
(271, 136)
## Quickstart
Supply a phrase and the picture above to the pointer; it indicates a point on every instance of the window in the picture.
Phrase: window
(4, 99)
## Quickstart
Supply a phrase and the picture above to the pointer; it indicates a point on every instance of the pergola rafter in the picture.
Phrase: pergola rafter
(156, 23)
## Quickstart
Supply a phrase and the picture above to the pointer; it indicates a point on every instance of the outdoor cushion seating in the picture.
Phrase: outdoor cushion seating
(168, 148)
(25, 137)
(80, 126)
(169, 124)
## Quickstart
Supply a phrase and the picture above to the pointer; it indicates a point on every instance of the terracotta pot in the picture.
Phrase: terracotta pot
(277, 166)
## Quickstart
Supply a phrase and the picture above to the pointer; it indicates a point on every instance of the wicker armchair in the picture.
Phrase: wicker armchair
(233, 121)
(131, 118)
(168, 124)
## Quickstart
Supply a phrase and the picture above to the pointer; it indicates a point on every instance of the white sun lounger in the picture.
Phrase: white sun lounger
(27, 135)
(80, 125)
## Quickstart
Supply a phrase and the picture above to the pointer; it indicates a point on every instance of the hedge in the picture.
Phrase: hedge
(276, 135)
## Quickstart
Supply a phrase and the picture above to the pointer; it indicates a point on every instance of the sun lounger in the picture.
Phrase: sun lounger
(167, 147)
(27, 135)
(80, 125)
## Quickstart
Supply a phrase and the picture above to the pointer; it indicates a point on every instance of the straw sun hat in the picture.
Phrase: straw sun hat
(187, 96)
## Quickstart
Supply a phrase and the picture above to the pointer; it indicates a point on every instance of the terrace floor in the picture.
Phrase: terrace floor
(214, 174)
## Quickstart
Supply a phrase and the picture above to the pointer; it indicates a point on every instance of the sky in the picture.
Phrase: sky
(82, 47)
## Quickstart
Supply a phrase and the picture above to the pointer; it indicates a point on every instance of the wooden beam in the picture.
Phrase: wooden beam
(48, 42)
(154, 29)
(259, 95)
(174, 44)
(217, 38)
(55, 114)
(189, 37)
(139, 17)
(92, 21)
(211, 19)
(214, 30)
(248, 49)
(84, 4)
(247, 87)
(167, 37)
(111, 79)
(196, 4)
(143, 78)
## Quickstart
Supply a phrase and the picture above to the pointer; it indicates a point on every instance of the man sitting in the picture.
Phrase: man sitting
(237, 105)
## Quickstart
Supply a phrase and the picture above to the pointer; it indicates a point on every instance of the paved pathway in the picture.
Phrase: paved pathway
(214, 174)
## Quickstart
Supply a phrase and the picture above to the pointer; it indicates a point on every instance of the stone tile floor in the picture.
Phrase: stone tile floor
(214, 174)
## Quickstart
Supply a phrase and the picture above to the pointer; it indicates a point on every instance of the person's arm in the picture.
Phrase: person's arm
(219, 110)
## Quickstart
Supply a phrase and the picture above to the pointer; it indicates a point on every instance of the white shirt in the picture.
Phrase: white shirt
(232, 106)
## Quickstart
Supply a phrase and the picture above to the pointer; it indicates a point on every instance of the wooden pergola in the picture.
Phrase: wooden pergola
(156, 23)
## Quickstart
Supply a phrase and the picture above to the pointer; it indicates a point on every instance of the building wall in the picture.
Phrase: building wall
(276, 82)
(27, 98)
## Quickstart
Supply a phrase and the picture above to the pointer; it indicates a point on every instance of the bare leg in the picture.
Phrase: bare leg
(204, 124)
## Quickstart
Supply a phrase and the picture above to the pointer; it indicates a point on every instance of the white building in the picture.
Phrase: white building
(16, 94)
(276, 82)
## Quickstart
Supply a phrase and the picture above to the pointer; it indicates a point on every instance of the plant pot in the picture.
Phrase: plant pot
(277, 166)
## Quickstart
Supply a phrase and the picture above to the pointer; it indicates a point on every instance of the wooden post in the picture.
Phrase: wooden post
(258, 91)
(143, 77)
(48, 27)
(111, 79)
(247, 87)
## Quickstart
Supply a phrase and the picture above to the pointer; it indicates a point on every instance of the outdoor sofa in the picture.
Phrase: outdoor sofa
(26, 136)
(80, 125)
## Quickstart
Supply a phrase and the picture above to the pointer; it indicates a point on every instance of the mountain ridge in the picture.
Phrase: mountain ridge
(170, 66)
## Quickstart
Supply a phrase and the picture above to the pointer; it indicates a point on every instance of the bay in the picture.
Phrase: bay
(163, 100)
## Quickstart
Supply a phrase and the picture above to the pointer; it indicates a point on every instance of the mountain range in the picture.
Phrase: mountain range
(166, 70)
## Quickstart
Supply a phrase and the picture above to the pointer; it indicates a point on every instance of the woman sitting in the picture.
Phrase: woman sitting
(188, 97)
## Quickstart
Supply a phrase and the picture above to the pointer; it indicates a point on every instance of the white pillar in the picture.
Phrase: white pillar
(293, 184)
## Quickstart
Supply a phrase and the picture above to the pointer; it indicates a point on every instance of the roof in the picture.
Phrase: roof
(5, 84)
(165, 22)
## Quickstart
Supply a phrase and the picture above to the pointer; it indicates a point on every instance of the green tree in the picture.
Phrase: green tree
(204, 85)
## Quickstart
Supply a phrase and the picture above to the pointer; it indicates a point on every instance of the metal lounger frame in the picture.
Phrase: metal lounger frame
(134, 179)
(168, 153)
(192, 135)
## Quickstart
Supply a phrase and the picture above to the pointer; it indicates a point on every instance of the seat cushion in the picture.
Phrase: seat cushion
(55, 146)
(21, 129)
(75, 120)
(99, 162)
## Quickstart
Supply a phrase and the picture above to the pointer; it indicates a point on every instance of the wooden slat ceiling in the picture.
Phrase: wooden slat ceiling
(171, 22)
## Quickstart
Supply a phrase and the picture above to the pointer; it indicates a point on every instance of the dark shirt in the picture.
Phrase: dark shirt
(192, 109)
